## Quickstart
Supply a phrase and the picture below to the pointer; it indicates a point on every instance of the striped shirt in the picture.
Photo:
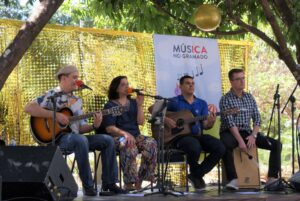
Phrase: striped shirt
(247, 104)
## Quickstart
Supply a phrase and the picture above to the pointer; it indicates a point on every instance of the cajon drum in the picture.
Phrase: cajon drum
(247, 168)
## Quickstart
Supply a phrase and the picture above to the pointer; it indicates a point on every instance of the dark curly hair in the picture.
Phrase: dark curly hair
(112, 91)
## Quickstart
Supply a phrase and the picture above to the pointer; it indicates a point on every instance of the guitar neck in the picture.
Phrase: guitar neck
(88, 115)
(200, 118)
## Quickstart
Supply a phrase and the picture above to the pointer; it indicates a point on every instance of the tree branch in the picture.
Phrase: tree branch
(285, 12)
(26, 35)
(288, 19)
(285, 53)
(250, 28)
(194, 27)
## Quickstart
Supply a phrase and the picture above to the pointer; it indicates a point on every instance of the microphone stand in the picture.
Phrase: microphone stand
(297, 139)
(53, 99)
(152, 96)
(159, 119)
(281, 182)
(276, 97)
(292, 99)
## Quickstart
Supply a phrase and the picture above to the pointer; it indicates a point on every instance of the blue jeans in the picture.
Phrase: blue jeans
(81, 145)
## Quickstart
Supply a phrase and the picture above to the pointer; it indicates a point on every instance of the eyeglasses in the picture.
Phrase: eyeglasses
(239, 79)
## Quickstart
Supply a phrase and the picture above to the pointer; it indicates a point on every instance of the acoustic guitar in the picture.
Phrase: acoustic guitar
(184, 119)
(42, 128)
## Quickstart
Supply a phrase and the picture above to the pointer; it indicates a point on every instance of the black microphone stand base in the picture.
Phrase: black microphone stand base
(163, 191)
(278, 185)
(158, 115)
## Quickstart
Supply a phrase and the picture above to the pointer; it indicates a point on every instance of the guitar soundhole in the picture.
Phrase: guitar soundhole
(47, 125)
(179, 122)
(62, 126)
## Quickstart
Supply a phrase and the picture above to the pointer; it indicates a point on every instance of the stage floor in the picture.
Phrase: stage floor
(211, 193)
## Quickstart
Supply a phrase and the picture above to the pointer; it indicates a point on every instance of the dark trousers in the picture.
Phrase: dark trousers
(262, 142)
(193, 145)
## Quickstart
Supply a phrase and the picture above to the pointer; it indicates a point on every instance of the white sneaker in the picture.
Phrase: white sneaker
(233, 185)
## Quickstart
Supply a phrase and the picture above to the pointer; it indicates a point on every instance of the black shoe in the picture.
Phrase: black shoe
(202, 183)
(113, 188)
(197, 183)
(90, 191)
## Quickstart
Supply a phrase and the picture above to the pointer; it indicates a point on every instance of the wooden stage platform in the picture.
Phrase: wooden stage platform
(211, 193)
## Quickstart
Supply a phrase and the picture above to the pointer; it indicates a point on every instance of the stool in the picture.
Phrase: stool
(176, 156)
(96, 163)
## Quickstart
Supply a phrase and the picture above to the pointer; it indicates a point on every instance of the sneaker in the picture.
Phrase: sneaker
(113, 188)
(196, 183)
(90, 191)
(233, 185)
(270, 181)
(274, 184)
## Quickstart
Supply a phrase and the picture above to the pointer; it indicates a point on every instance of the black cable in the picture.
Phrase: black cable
(297, 139)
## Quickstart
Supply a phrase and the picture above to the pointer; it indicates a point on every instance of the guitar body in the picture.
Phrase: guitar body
(182, 128)
(184, 119)
(42, 128)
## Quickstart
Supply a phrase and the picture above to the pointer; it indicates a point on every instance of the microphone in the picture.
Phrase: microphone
(132, 90)
(276, 95)
(277, 89)
(81, 85)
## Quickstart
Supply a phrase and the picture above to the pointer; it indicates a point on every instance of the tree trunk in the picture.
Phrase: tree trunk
(26, 35)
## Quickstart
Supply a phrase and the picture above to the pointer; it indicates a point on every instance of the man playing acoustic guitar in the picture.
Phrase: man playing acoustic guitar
(196, 142)
(73, 141)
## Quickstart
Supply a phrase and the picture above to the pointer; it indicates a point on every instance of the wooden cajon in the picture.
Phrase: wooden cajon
(247, 168)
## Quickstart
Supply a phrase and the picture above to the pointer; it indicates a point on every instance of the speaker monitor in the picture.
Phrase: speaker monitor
(35, 173)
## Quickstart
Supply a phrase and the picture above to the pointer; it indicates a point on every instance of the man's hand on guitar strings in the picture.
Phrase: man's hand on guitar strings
(212, 108)
(212, 117)
(170, 122)
(62, 118)
(97, 119)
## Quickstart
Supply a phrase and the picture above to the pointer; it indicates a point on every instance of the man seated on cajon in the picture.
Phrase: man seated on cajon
(236, 130)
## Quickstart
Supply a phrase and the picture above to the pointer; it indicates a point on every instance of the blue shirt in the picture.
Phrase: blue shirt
(198, 108)
(127, 121)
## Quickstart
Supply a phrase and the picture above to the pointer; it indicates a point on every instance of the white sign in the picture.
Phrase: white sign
(176, 56)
